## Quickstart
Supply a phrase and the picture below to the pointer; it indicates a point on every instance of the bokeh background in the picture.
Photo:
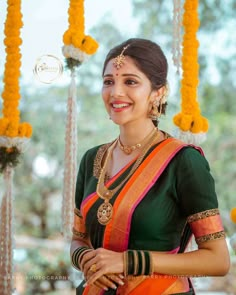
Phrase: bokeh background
(42, 263)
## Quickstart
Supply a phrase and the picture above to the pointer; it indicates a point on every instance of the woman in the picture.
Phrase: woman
(140, 197)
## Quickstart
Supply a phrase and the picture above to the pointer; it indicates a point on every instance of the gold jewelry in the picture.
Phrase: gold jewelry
(119, 60)
(154, 113)
(105, 210)
(93, 268)
(128, 149)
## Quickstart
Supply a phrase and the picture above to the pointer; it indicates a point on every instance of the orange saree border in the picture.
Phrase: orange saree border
(91, 199)
(116, 234)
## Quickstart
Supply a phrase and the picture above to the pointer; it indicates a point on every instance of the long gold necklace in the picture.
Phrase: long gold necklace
(105, 210)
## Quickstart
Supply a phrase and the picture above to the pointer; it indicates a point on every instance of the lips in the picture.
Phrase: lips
(119, 106)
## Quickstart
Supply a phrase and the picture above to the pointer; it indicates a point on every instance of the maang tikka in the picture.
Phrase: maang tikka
(119, 60)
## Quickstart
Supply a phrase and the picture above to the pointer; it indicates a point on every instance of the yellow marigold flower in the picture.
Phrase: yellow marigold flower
(12, 129)
(75, 35)
(233, 215)
(3, 125)
(29, 130)
(89, 45)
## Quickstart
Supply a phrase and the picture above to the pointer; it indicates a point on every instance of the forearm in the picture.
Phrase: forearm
(212, 261)
(75, 243)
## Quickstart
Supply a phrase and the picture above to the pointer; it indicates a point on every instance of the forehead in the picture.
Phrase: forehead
(128, 66)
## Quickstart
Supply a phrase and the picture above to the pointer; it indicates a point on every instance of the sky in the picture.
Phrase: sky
(45, 21)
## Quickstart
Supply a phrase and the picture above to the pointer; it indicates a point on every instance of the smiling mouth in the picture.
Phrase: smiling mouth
(120, 105)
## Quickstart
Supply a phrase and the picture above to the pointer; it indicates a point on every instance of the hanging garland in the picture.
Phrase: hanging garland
(191, 123)
(77, 48)
(13, 134)
(14, 137)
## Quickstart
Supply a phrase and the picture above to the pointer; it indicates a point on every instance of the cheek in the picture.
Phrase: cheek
(105, 94)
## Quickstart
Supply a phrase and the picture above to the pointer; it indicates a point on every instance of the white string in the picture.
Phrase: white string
(70, 161)
(6, 235)
(177, 34)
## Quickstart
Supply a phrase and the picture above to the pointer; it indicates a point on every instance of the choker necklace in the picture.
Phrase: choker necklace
(105, 210)
(128, 149)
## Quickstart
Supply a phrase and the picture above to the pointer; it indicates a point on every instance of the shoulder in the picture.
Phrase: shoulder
(183, 152)
(190, 154)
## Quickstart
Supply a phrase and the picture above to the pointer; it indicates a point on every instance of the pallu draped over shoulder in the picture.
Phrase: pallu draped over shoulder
(169, 197)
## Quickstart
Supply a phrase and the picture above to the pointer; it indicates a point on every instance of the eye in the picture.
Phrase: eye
(131, 82)
(107, 82)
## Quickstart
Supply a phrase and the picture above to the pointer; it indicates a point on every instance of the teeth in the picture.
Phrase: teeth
(121, 105)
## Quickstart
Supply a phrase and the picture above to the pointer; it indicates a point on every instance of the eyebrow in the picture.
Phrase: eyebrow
(124, 75)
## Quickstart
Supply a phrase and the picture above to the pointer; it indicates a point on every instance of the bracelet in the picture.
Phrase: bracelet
(77, 256)
(137, 263)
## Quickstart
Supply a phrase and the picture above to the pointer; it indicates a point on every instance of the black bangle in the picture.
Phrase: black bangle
(130, 262)
(138, 263)
(77, 255)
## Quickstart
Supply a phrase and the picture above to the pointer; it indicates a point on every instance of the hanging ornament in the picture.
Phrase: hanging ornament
(177, 34)
(77, 49)
(14, 137)
(192, 126)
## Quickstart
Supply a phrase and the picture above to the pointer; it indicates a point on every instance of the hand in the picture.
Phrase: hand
(108, 281)
(106, 264)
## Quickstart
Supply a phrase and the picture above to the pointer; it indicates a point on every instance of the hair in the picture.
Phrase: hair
(148, 57)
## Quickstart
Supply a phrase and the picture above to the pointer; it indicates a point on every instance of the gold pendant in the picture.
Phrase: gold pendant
(104, 213)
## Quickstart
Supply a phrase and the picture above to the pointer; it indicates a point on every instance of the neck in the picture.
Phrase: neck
(133, 134)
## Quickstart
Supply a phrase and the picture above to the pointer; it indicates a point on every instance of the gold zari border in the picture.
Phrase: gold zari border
(79, 234)
(202, 215)
(210, 237)
(97, 165)
(78, 213)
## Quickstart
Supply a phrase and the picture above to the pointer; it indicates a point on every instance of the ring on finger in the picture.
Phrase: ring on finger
(93, 267)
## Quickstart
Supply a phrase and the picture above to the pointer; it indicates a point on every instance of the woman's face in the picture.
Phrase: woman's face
(126, 92)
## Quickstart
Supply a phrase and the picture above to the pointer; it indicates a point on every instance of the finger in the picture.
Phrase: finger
(116, 279)
(87, 267)
(86, 257)
(99, 275)
(100, 285)
(103, 281)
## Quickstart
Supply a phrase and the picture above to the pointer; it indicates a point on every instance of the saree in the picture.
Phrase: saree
(122, 232)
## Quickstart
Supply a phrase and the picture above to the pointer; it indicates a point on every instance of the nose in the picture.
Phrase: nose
(117, 90)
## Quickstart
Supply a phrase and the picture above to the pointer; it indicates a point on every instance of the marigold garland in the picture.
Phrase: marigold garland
(190, 118)
(77, 45)
(10, 126)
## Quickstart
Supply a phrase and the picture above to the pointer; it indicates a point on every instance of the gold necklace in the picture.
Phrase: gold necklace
(105, 210)
(128, 149)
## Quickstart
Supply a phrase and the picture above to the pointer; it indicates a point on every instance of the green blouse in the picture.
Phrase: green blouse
(185, 187)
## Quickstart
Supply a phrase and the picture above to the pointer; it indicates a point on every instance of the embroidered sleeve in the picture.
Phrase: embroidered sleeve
(79, 229)
(206, 226)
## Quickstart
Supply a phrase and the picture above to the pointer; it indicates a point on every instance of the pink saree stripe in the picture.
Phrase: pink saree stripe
(147, 188)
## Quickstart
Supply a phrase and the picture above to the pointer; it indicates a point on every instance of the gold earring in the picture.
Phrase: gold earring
(155, 111)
